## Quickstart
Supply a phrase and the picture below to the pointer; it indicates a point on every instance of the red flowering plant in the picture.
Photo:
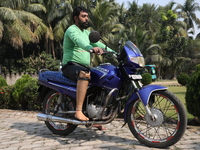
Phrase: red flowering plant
(5, 97)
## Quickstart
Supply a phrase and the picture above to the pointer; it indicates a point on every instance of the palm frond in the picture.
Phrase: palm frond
(7, 14)
(1, 30)
(36, 8)
(60, 28)
(13, 37)
(26, 16)
(25, 33)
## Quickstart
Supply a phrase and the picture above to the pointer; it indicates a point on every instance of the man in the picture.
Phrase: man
(76, 57)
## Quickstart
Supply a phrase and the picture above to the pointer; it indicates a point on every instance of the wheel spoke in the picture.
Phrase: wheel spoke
(161, 105)
(52, 108)
(169, 121)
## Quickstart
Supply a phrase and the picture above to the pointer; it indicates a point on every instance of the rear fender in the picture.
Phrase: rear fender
(143, 94)
(43, 90)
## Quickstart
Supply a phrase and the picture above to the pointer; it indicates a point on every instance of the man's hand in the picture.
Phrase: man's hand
(97, 50)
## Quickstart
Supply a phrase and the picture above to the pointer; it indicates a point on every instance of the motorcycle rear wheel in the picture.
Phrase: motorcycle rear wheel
(49, 107)
(170, 123)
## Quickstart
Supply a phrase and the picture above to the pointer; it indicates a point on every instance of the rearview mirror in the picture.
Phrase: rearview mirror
(94, 36)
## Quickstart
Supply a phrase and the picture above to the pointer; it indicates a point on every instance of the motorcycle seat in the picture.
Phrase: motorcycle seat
(57, 76)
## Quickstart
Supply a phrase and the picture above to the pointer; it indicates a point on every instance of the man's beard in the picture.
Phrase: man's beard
(84, 25)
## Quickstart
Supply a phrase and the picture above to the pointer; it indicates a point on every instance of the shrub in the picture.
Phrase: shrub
(2, 82)
(6, 100)
(183, 78)
(31, 93)
(25, 91)
(146, 79)
(193, 93)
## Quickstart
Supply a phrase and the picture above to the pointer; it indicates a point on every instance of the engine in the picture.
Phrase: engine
(99, 104)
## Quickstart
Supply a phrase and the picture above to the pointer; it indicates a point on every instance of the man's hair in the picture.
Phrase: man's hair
(77, 10)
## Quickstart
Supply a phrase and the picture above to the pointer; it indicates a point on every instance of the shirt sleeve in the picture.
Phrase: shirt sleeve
(78, 40)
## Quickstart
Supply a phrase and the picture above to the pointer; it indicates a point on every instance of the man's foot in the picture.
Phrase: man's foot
(80, 116)
(100, 127)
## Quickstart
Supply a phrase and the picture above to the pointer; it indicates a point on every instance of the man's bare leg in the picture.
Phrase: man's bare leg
(81, 90)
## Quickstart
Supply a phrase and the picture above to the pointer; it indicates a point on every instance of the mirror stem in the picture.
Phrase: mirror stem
(105, 43)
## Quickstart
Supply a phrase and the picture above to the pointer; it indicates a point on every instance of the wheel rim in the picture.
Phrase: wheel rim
(166, 122)
(50, 109)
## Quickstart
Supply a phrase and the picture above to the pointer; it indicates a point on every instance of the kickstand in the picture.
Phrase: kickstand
(123, 125)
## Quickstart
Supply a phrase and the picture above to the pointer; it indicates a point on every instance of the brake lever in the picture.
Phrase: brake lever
(104, 52)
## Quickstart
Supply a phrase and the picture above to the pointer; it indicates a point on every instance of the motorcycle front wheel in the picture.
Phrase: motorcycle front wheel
(169, 122)
(51, 107)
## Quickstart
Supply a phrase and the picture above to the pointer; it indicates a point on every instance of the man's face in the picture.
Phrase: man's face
(82, 20)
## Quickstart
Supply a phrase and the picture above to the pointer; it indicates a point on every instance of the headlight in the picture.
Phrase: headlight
(138, 60)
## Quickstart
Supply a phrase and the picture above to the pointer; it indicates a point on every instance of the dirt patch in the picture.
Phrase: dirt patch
(167, 83)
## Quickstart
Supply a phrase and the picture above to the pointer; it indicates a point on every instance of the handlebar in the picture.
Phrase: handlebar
(105, 52)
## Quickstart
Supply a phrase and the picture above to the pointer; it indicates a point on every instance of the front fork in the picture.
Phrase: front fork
(136, 87)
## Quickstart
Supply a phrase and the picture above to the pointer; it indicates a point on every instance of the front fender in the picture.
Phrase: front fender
(143, 94)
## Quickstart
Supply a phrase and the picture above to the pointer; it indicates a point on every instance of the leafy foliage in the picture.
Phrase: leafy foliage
(2, 82)
(183, 78)
(193, 93)
(43, 61)
(29, 27)
(25, 92)
(146, 79)
(30, 94)
(6, 101)
(22, 95)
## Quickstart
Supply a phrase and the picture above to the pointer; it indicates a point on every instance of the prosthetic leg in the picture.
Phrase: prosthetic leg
(81, 90)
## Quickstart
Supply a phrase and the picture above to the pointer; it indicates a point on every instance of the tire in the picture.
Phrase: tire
(169, 126)
(49, 105)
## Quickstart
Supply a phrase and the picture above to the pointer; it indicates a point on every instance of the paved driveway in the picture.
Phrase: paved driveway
(20, 130)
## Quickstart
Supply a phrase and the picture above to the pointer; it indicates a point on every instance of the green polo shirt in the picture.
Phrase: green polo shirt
(76, 46)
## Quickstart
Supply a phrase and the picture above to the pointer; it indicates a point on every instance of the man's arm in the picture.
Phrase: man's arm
(101, 45)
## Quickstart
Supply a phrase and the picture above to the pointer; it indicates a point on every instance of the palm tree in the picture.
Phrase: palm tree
(188, 13)
(104, 18)
(56, 16)
(156, 55)
(18, 26)
(149, 17)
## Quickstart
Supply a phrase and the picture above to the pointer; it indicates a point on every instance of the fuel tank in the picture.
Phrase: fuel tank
(106, 75)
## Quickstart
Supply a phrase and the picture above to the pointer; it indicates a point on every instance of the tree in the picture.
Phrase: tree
(104, 18)
(187, 12)
(56, 16)
(149, 17)
(18, 26)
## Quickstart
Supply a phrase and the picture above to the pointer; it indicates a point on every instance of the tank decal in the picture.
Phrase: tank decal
(102, 70)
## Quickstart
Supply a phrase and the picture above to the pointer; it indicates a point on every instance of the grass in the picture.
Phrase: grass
(180, 91)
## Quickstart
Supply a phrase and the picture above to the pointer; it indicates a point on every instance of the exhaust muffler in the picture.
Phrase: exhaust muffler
(51, 118)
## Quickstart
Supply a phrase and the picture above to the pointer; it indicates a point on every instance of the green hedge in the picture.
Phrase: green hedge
(183, 79)
(3, 82)
(146, 79)
(193, 93)
(22, 95)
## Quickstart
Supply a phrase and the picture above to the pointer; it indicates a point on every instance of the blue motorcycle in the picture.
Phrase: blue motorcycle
(154, 115)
